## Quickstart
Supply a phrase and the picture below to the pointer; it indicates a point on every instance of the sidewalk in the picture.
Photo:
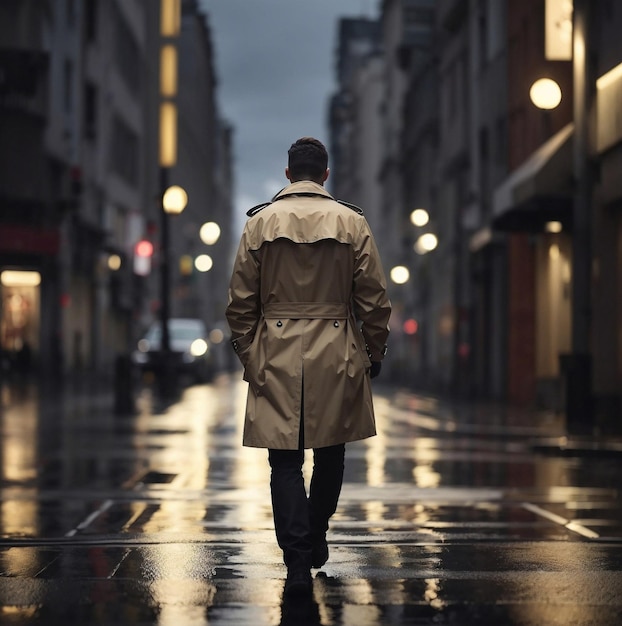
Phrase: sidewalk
(546, 429)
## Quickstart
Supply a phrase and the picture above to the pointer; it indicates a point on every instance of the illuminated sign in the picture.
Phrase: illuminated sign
(558, 30)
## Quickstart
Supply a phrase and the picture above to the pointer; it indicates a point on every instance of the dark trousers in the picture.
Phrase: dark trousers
(299, 520)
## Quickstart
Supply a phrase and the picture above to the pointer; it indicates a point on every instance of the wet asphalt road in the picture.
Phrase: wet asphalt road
(451, 515)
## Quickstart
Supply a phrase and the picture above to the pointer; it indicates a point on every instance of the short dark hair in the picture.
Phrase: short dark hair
(307, 159)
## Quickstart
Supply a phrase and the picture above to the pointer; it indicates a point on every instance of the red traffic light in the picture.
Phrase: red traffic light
(411, 327)
(144, 248)
(143, 251)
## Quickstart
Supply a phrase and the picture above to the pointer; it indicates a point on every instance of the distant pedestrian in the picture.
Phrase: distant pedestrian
(308, 312)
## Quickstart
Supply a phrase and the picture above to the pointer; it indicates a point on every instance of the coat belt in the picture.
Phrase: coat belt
(306, 310)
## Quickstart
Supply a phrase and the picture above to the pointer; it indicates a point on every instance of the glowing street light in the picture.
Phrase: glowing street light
(419, 217)
(209, 233)
(546, 94)
(174, 200)
(114, 262)
(426, 243)
(399, 274)
(203, 263)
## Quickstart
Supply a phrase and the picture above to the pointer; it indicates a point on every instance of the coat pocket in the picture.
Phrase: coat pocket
(359, 361)
(252, 365)
(241, 346)
(356, 337)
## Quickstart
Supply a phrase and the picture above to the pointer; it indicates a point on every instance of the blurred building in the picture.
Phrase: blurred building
(421, 184)
(79, 176)
(521, 298)
(537, 306)
(488, 72)
(366, 130)
(36, 191)
(354, 117)
(204, 170)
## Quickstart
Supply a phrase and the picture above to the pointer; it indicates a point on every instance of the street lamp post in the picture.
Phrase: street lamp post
(174, 200)
(170, 25)
(165, 345)
(165, 386)
(579, 410)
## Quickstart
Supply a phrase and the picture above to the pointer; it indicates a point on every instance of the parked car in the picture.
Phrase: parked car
(190, 351)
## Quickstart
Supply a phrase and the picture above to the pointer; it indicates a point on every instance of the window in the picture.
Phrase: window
(124, 151)
(418, 16)
(127, 53)
(482, 33)
(483, 143)
(71, 12)
(68, 86)
(90, 110)
(90, 19)
(501, 141)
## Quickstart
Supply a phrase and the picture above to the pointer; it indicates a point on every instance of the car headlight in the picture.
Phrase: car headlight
(198, 347)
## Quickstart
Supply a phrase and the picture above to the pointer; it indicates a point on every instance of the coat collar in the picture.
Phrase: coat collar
(302, 187)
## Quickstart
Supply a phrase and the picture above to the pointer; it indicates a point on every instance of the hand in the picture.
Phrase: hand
(374, 370)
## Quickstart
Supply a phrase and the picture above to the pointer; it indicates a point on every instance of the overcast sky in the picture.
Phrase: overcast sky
(275, 62)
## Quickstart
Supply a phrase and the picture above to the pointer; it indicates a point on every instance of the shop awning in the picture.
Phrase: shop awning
(540, 190)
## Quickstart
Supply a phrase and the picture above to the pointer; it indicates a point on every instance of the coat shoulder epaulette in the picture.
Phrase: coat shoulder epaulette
(258, 208)
(351, 206)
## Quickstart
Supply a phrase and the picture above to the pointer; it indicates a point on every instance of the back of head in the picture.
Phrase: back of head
(307, 160)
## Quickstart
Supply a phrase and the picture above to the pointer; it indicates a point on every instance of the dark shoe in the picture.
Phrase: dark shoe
(298, 582)
(319, 552)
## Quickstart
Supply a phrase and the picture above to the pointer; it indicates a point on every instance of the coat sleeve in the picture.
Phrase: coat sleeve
(369, 295)
(243, 309)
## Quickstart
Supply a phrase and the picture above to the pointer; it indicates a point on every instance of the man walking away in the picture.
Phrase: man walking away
(308, 312)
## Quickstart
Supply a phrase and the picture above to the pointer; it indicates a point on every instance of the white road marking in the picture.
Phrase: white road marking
(562, 521)
(91, 518)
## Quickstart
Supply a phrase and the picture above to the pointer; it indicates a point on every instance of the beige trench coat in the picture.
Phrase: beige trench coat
(305, 343)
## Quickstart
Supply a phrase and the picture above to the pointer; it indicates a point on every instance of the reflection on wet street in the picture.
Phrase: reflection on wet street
(451, 515)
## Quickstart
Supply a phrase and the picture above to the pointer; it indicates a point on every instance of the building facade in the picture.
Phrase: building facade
(80, 183)
(520, 299)
(203, 169)
(354, 116)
